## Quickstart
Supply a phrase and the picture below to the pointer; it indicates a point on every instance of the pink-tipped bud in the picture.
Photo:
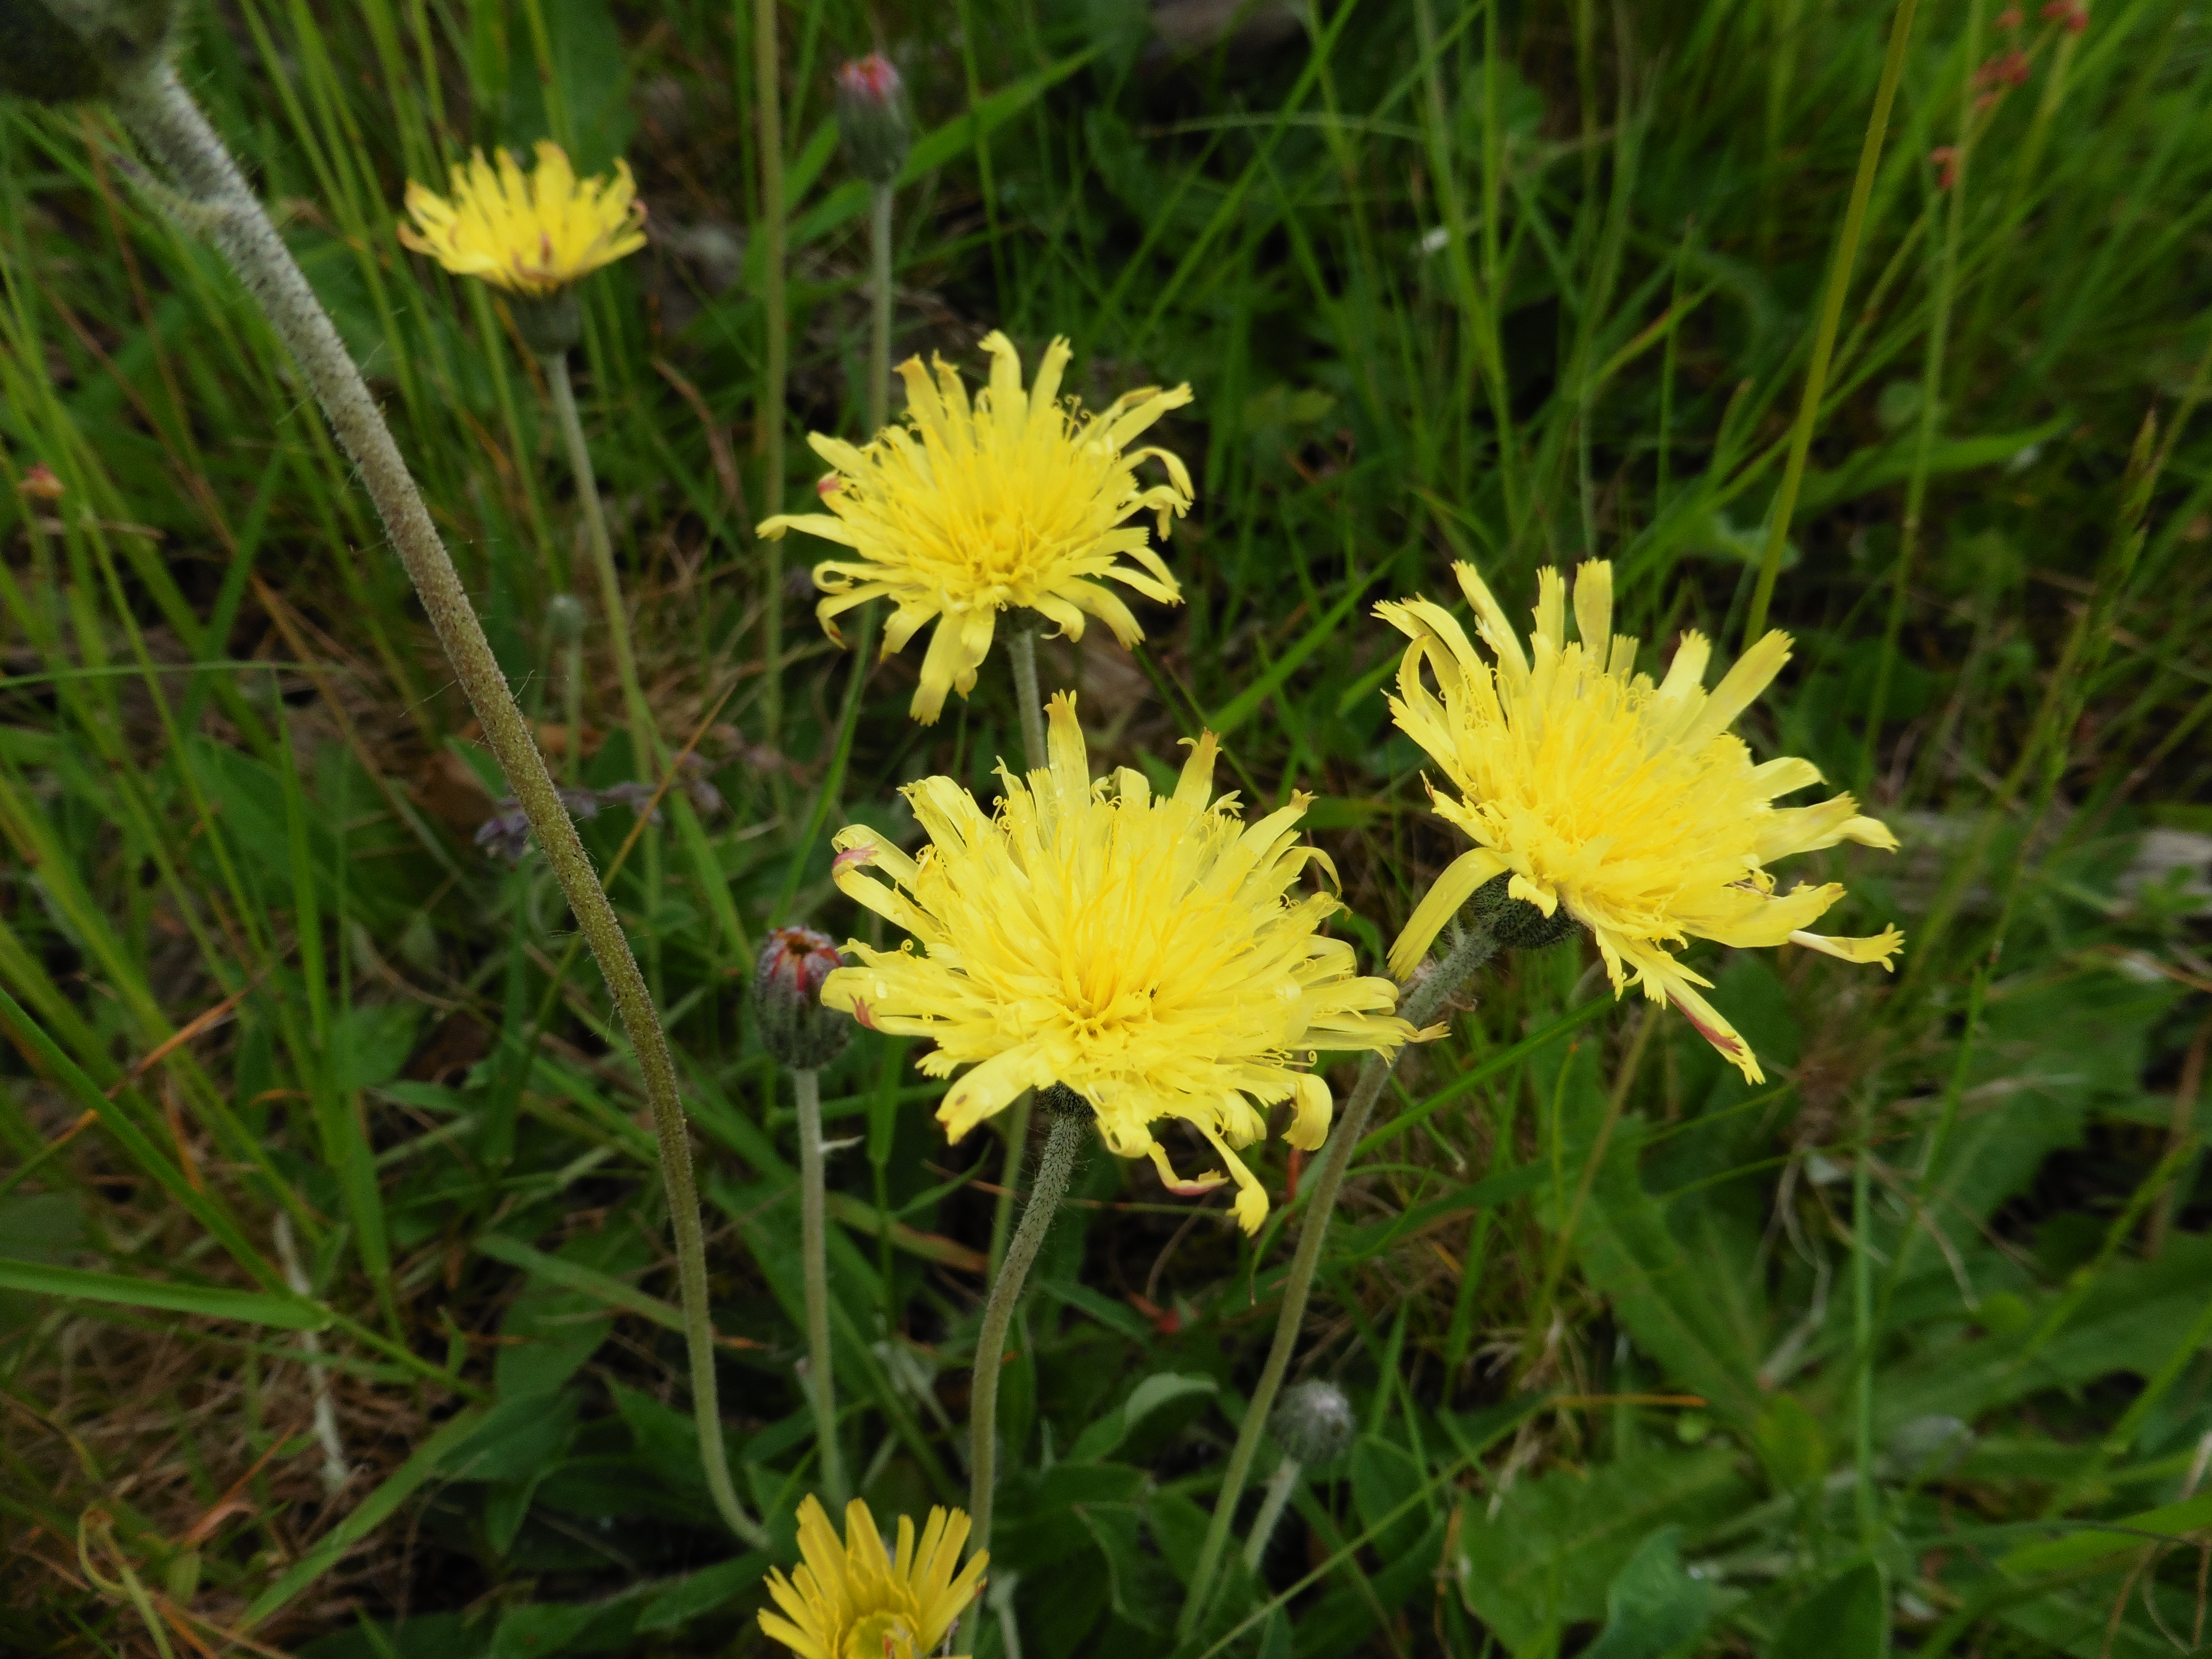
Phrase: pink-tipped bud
(872, 118)
(794, 1026)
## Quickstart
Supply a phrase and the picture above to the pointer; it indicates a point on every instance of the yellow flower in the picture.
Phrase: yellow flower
(858, 1600)
(1631, 805)
(531, 235)
(1019, 500)
(1145, 951)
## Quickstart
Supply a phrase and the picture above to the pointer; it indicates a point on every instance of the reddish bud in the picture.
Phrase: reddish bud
(794, 1026)
(40, 484)
(1944, 158)
(872, 118)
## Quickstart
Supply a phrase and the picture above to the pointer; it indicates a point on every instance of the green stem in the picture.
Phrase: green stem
(1832, 317)
(821, 1383)
(1021, 654)
(161, 113)
(644, 741)
(879, 291)
(1050, 1186)
(767, 425)
(1474, 949)
(1021, 651)
(1281, 1484)
(572, 699)
(1015, 1125)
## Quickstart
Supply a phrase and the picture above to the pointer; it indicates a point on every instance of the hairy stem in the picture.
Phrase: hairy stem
(821, 1384)
(879, 291)
(1281, 1484)
(1050, 1186)
(1474, 949)
(161, 113)
(1021, 651)
(644, 742)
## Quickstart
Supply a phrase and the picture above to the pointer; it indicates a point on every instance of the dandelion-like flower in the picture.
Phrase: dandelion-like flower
(1145, 951)
(1584, 786)
(1017, 500)
(856, 1599)
(532, 234)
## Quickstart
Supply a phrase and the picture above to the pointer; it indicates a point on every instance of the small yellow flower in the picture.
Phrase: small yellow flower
(1145, 951)
(856, 1600)
(1631, 805)
(1019, 500)
(531, 235)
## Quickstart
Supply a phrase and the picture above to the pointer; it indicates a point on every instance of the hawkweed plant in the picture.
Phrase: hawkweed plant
(1132, 957)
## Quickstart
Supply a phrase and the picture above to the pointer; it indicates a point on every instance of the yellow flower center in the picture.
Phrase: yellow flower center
(879, 1636)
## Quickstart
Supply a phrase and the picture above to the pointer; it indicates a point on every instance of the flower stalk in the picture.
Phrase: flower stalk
(1068, 1112)
(821, 1380)
(1021, 656)
(644, 743)
(879, 294)
(1474, 948)
(160, 113)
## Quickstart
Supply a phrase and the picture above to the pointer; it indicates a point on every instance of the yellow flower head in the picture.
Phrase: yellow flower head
(1019, 500)
(1631, 805)
(532, 235)
(856, 1599)
(1145, 951)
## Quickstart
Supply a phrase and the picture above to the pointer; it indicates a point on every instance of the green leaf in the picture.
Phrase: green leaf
(1791, 1444)
(284, 1313)
(516, 1438)
(2094, 1541)
(1549, 1557)
(1654, 1606)
(1847, 1618)
(574, 1276)
(1385, 1477)
(702, 1592)
(1105, 1436)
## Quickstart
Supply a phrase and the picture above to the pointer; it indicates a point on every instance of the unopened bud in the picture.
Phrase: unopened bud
(872, 118)
(1515, 923)
(58, 52)
(794, 1026)
(564, 618)
(548, 323)
(1314, 1422)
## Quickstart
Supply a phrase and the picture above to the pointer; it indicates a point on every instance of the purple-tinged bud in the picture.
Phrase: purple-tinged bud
(794, 1026)
(1314, 1422)
(872, 118)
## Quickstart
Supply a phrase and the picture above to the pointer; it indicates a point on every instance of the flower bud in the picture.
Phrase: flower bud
(564, 618)
(548, 323)
(58, 52)
(794, 1026)
(1314, 1422)
(872, 118)
(1515, 923)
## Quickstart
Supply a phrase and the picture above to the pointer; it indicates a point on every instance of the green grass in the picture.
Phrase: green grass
(1522, 286)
